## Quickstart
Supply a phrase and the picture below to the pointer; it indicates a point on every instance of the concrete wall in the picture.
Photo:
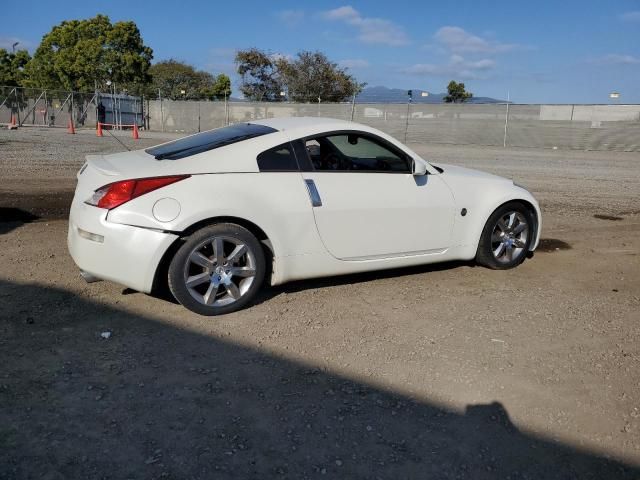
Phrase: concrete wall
(582, 127)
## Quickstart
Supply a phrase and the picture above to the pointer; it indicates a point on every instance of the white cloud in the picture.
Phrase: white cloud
(458, 40)
(630, 16)
(281, 56)
(353, 63)
(370, 30)
(470, 56)
(291, 17)
(457, 67)
(345, 13)
(616, 59)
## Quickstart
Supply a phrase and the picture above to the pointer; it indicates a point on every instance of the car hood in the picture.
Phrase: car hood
(461, 174)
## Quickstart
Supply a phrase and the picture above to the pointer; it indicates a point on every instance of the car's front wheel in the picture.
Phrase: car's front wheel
(506, 237)
(219, 269)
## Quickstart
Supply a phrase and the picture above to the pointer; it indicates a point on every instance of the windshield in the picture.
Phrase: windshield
(205, 141)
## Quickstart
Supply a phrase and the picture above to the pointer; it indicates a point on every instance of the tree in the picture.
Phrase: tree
(313, 77)
(220, 88)
(172, 77)
(260, 80)
(12, 67)
(78, 53)
(457, 93)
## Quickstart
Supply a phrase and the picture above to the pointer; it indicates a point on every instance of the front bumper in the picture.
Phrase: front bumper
(126, 255)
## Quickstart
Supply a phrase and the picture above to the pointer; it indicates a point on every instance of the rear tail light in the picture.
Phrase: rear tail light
(115, 194)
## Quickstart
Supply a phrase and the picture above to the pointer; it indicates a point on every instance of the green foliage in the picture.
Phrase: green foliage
(12, 67)
(222, 87)
(457, 93)
(217, 87)
(310, 77)
(313, 77)
(78, 53)
(260, 81)
(172, 77)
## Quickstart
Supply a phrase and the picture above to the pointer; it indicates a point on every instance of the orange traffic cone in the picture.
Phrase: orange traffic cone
(99, 130)
(70, 128)
(135, 132)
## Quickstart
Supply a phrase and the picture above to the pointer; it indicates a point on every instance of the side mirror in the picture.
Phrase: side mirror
(418, 167)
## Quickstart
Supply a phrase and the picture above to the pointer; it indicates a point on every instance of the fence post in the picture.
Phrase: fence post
(506, 124)
(17, 107)
(353, 106)
(406, 125)
(161, 110)
(226, 109)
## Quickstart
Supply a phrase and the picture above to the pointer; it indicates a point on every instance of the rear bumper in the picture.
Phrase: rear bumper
(110, 251)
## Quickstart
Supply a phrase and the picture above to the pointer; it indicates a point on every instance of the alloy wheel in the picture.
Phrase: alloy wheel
(509, 237)
(219, 271)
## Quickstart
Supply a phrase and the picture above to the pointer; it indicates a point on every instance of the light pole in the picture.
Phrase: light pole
(113, 110)
(615, 97)
(13, 47)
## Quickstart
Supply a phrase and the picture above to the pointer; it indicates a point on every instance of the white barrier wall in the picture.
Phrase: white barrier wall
(582, 127)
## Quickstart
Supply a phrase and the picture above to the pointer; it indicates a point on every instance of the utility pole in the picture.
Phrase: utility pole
(161, 110)
(406, 126)
(353, 106)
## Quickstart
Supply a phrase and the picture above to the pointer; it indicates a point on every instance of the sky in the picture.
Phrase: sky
(531, 52)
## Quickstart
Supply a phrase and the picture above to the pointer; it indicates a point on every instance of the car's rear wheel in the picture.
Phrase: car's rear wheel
(506, 237)
(219, 269)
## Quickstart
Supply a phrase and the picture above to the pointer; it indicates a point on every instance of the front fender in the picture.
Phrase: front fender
(480, 202)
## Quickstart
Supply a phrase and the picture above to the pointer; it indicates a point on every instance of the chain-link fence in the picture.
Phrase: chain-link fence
(580, 127)
(55, 108)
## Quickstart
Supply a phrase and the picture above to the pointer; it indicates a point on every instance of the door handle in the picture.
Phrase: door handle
(316, 201)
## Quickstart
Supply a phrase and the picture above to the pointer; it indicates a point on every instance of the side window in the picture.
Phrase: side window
(278, 159)
(354, 152)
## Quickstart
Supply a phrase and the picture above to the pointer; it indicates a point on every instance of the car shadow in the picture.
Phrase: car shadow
(268, 293)
(154, 400)
(12, 218)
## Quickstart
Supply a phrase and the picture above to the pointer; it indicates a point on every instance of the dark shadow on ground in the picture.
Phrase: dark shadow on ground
(314, 283)
(547, 245)
(156, 401)
(12, 218)
(44, 206)
(614, 218)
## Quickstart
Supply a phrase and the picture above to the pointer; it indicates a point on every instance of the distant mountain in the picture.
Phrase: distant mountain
(398, 95)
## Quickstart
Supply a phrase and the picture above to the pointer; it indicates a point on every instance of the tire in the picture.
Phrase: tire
(506, 237)
(219, 269)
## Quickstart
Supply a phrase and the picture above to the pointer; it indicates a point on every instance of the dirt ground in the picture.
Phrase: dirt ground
(447, 371)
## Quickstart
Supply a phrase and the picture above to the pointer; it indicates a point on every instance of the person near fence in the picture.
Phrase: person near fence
(102, 113)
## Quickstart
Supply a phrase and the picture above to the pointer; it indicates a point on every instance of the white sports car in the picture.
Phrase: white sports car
(217, 213)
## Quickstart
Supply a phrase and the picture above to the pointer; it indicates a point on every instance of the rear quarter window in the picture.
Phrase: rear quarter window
(278, 159)
(205, 141)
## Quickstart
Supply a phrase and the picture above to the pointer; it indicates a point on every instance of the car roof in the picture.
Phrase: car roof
(308, 125)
